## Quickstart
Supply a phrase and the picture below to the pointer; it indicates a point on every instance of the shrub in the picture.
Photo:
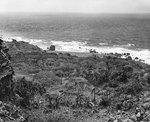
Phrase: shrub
(96, 77)
(105, 102)
(65, 69)
(146, 78)
(60, 73)
(6, 88)
(132, 88)
(26, 90)
(47, 78)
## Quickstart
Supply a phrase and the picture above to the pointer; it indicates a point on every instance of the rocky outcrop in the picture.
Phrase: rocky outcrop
(8, 112)
(21, 46)
(6, 73)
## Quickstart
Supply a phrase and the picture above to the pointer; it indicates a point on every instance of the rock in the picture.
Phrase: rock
(117, 120)
(6, 73)
(119, 112)
(129, 58)
(147, 99)
(138, 114)
(127, 120)
(146, 106)
(129, 96)
(147, 116)
(21, 46)
(1, 103)
(111, 120)
(10, 112)
(114, 120)
(92, 51)
(133, 117)
(1, 120)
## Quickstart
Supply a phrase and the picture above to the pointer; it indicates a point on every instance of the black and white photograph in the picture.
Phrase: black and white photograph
(74, 60)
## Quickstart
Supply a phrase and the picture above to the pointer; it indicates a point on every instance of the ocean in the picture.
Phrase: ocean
(106, 33)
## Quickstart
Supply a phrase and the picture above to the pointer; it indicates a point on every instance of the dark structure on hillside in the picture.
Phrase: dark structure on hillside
(52, 48)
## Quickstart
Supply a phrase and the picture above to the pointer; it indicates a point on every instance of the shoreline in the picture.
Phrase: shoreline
(81, 48)
(79, 54)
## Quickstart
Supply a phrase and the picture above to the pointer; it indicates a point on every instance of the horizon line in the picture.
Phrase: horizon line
(92, 13)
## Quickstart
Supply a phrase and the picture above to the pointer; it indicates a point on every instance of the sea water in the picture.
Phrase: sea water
(106, 33)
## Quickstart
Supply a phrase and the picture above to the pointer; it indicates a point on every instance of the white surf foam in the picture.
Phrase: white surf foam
(103, 44)
(76, 46)
(37, 42)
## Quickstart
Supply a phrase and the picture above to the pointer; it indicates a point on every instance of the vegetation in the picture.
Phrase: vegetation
(70, 88)
(60, 74)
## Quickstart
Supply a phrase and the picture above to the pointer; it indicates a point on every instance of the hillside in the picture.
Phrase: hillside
(60, 87)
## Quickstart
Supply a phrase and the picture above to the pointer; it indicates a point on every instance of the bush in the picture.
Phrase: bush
(66, 69)
(96, 77)
(146, 78)
(105, 102)
(47, 78)
(26, 90)
(133, 88)
(6, 88)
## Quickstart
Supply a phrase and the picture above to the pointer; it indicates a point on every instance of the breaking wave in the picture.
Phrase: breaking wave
(77, 46)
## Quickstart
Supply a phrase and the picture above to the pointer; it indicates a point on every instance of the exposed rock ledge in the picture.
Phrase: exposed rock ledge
(8, 111)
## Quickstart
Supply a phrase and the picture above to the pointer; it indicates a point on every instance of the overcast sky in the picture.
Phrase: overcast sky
(77, 6)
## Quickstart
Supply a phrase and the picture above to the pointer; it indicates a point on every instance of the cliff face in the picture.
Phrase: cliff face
(6, 73)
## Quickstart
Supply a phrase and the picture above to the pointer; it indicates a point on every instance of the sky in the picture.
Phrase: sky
(76, 6)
